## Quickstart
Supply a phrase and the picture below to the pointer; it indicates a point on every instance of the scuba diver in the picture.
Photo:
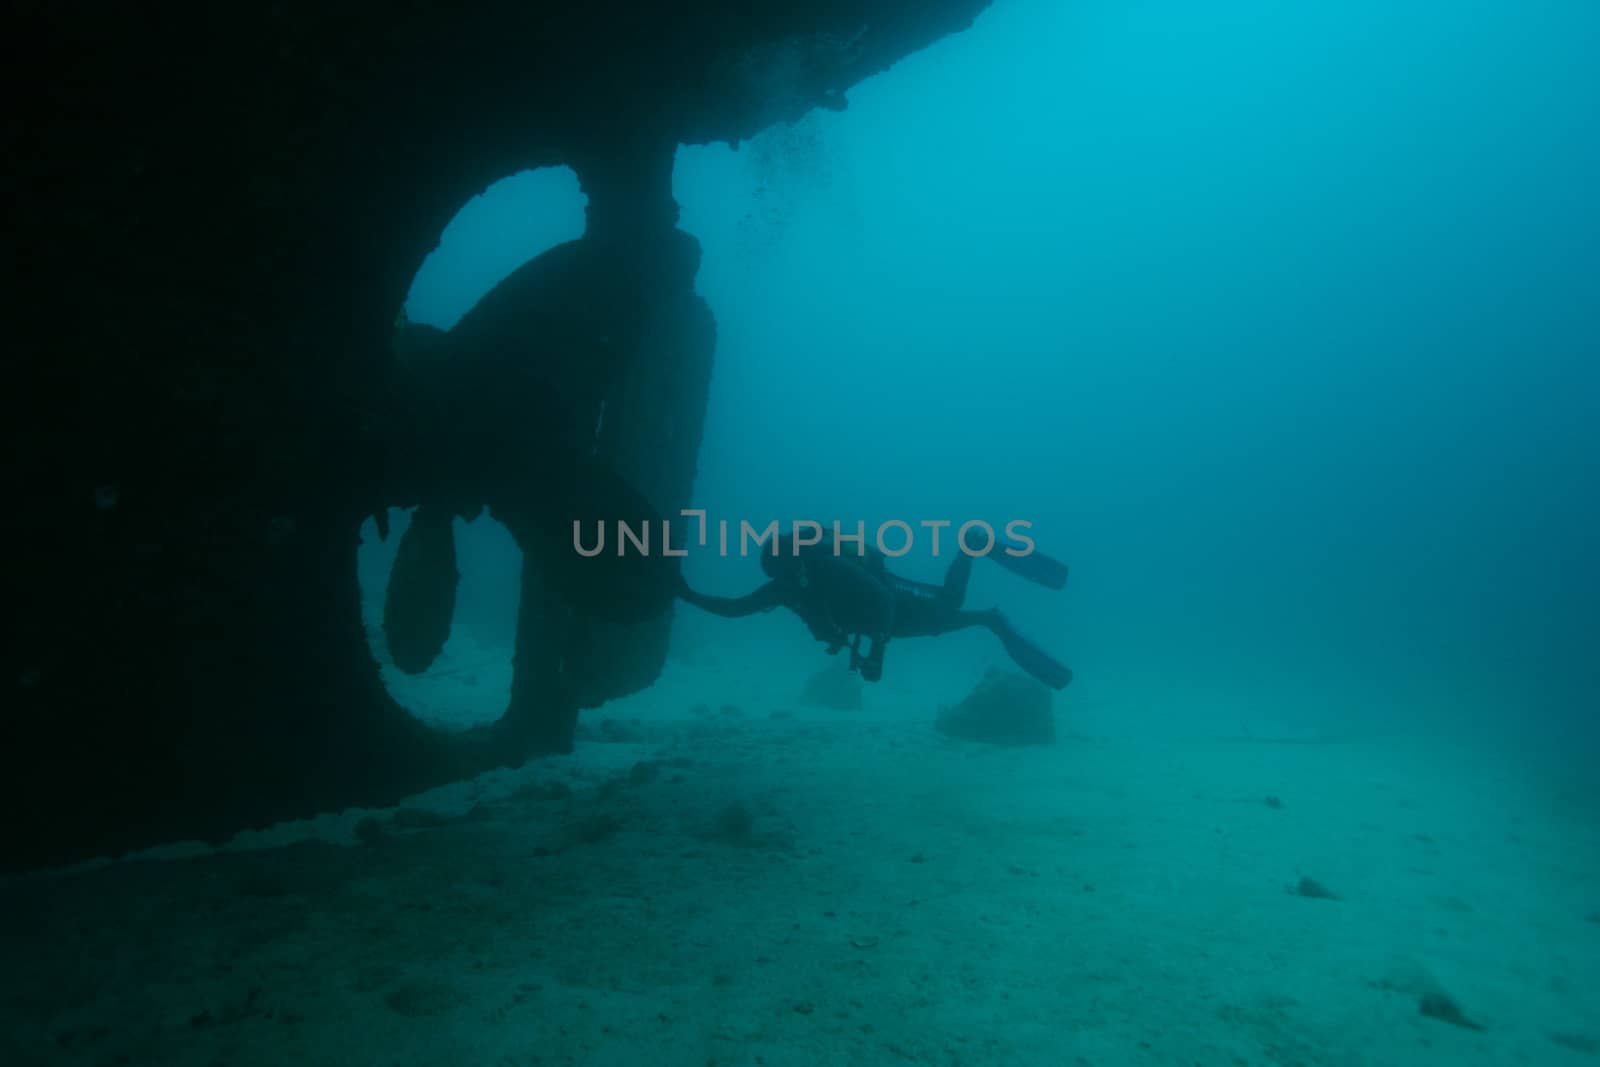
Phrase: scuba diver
(845, 596)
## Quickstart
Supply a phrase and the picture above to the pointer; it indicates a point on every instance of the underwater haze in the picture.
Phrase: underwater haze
(1278, 323)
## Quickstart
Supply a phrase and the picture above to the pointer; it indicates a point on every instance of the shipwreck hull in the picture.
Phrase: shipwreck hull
(214, 215)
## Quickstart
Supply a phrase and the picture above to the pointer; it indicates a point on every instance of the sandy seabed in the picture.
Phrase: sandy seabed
(723, 876)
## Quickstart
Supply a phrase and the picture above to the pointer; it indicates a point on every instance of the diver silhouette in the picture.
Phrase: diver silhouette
(845, 596)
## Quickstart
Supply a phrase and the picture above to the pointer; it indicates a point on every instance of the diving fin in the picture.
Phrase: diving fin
(1036, 567)
(1031, 658)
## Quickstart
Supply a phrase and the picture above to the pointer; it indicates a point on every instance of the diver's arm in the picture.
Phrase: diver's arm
(765, 598)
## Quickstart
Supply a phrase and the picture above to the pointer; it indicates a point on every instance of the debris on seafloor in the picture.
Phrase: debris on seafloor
(834, 686)
(1441, 1006)
(1005, 708)
(1313, 889)
(1577, 1042)
(734, 823)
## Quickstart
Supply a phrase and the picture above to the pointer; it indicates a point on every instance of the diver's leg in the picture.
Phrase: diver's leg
(961, 620)
(1024, 653)
(956, 579)
(1028, 656)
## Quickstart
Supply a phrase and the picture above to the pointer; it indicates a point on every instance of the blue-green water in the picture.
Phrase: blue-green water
(1277, 321)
